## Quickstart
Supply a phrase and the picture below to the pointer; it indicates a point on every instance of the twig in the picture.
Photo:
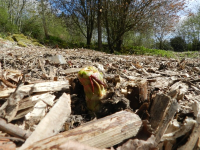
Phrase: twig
(13, 130)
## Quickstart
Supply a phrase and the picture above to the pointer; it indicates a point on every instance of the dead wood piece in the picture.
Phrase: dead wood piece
(13, 75)
(177, 129)
(39, 111)
(52, 73)
(162, 112)
(143, 90)
(7, 83)
(181, 87)
(5, 144)
(73, 145)
(158, 109)
(137, 93)
(194, 136)
(38, 87)
(26, 105)
(160, 82)
(30, 101)
(168, 145)
(57, 59)
(71, 70)
(41, 63)
(137, 144)
(198, 143)
(167, 117)
(195, 108)
(53, 121)
(9, 109)
(40, 107)
(22, 113)
(13, 139)
(13, 130)
(173, 93)
(102, 133)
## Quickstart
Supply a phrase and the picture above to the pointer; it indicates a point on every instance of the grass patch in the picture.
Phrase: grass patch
(188, 54)
(140, 50)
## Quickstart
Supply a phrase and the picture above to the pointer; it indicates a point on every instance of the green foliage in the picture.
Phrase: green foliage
(139, 39)
(189, 46)
(23, 40)
(178, 43)
(55, 42)
(58, 35)
(3, 16)
(22, 44)
(190, 30)
(190, 54)
(195, 45)
(9, 38)
(141, 50)
(165, 45)
(18, 37)
(33, 27)
(5, 24)
(57, 28)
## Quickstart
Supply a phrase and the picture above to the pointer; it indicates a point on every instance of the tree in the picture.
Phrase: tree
(195, 45)
(15, 9)
(83, 15)
(122, 16)
(189, 29)
(99, 25)
(18, 19)
(164, 23)
(134, 38)
(178, 43)
(44, 4)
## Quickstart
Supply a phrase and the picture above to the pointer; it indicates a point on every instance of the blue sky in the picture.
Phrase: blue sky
(192, 5)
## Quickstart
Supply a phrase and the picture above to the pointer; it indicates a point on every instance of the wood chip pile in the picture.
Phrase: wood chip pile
(151, 103)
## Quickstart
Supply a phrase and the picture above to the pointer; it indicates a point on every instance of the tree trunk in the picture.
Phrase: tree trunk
(44, 20)
(160, 44)
(110, 45)
(119, 44)
(99, 26)
(10, 10)
(19, 14)
(89, 38)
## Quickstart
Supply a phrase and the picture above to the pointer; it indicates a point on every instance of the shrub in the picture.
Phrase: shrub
(178, 43)
(195, 45)
(32, 27)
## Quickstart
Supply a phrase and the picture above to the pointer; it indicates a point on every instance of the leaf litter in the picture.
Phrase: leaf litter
(163, 92)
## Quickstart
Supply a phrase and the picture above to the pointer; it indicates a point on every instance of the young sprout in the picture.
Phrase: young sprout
(94, 86)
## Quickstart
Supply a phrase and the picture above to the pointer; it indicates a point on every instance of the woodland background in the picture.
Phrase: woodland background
(113, 26)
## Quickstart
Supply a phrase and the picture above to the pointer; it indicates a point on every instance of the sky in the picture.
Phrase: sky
(192, 4)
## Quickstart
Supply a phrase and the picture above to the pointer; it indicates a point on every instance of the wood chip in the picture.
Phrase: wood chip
(38, 87)
(13, 129)
(194, 136)
(53, 121)
(7, 145)
(101, 133)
